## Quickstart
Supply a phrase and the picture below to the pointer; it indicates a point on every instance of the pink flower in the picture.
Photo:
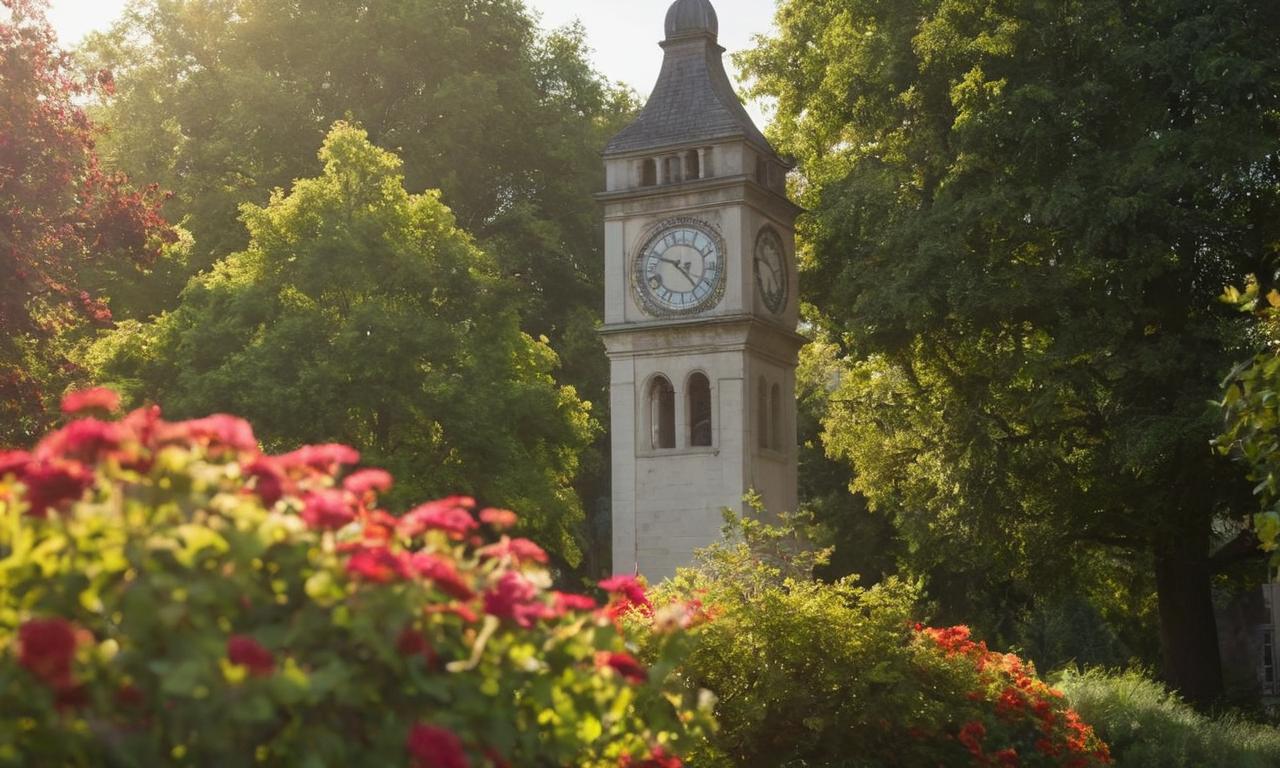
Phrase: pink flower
(628, 595)
(50, 484)
(218, 432)
(144, 424)
(624, 664)
(87, 440)
(378, 565)
(46, 648)
(322, 458)
(502, 519)
(368, 481)
(514, 598)
(441, 573)
(247, 652)
(519, 551)
(449, 515)
(98, 398)
(433, 747)
(328, 510)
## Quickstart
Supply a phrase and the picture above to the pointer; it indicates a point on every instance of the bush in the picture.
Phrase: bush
(1147, 726)
(171, 596)
(814, 674)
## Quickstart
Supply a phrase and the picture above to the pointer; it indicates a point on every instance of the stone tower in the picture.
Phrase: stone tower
(700, 309)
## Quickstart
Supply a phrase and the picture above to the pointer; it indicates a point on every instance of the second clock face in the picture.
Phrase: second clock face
(680, 268)
(771, 270)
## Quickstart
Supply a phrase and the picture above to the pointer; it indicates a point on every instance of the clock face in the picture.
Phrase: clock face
(771, 270)
(680, 268)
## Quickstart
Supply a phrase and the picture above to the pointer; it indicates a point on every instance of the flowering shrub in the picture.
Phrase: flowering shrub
(169, 595)
(815, 674)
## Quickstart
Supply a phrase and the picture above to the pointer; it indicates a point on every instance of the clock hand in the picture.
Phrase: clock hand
(684, 270)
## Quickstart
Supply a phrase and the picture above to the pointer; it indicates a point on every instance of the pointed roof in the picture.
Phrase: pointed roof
(693, 100)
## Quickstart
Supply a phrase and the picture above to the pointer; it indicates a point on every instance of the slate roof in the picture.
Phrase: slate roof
(693, 100)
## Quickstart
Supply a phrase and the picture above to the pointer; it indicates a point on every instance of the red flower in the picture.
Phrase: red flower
(513, 597)
(433, 747)
(86, 440)
(368, 481)
(322, 458)
(378, 565)
(411, 642)
(13, 462)
(218, 432)
(628, 595)
(624, 664)
(570, 603)
(501, 519)
(46, 648)
(971, 736)
(328, 510)
(51, 484)
(270, 482)
(441, 573)
(1007, 758)
(1009, 703)
(98, 398)
(245, 651)
(519, 551)
(658, 758)
(449, 515)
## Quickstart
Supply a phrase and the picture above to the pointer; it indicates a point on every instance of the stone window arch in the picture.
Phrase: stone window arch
(762, 413)
(699, 410)
(692, 164)
(662, 413)
(775, 418)
(649, 173)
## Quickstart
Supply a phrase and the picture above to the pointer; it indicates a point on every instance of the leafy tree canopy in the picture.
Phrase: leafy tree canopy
(362, 313)
(224, 101)
(1022, 216)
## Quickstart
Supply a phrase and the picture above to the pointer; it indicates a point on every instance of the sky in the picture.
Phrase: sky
(623, 33)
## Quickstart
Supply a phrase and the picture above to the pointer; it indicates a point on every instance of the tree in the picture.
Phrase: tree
(1023, 213)
(224, 101)
(61, 216)
(363, 314)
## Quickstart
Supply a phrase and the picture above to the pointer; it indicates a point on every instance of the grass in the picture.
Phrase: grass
(1147, 726)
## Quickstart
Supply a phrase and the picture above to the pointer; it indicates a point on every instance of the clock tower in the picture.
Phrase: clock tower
(700, 309)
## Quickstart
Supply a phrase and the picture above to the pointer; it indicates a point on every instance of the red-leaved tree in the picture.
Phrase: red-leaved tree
(61, 215)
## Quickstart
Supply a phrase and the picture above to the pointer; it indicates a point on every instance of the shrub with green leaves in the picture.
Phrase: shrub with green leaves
(1147, 726)
(815, 674)
(169, 595)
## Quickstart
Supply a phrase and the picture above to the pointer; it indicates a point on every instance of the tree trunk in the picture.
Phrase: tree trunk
(1188, 628)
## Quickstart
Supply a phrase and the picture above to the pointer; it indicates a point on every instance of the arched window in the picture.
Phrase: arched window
(649, 173)
(762, 413)
(699, 411)
(692, 165)
(775, 418)
(662, 413)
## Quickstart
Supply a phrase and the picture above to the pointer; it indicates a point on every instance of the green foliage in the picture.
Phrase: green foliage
(1149, 727)
(814, 674)
(1252, 428)
(363, 314)
(1021, 214)
(171, 596)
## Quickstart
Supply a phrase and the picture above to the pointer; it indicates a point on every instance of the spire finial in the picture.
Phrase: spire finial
(692, 17)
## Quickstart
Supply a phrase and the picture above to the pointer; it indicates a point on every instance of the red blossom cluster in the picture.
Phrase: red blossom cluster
(1031, 724)
(424, 547)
